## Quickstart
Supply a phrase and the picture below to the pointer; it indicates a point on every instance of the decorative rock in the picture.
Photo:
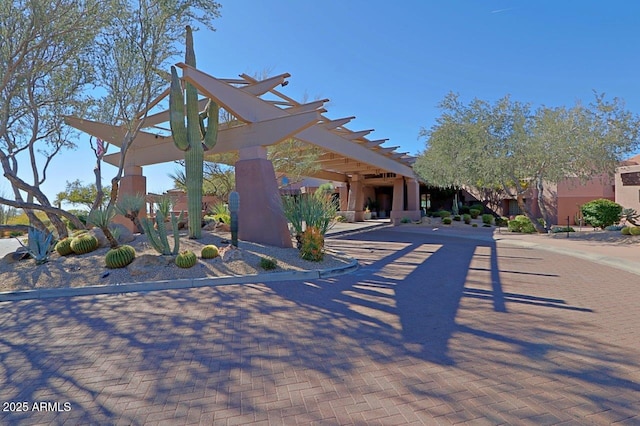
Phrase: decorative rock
(230, 253)
(16, 256)
(148, 263)
(222, 227)
(124, 235)
(211, 226)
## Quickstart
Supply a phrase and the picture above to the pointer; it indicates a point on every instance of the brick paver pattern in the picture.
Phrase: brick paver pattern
(429, 330)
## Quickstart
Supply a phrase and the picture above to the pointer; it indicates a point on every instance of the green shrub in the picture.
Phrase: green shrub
(635, 230)
(474, 213)
(405, 220)
(220, 213)
(626, 230)
(15, 234)
(446, 220)
(559, 229)
(601, 213)
(457, 218)
(475, 225)
(487, 219)
(464, 210)
(522, 224)
(467, 218)
(444, 213)
(476, 206)
(502, 221)
(313, 211)
(340, 218)
(268, 263)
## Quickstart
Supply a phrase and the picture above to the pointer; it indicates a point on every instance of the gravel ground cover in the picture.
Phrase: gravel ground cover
(89, 269)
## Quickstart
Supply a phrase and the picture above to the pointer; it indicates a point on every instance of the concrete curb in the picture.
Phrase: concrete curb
(622, 264)
(147, 286)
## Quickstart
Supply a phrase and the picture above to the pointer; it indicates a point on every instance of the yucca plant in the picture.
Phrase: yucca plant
(101, 218)
(129, 206)
(220, 212)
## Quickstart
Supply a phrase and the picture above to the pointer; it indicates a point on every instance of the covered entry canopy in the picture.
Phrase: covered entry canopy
(264, 117)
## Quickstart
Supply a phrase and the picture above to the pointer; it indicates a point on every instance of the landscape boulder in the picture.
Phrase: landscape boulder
(123, 234)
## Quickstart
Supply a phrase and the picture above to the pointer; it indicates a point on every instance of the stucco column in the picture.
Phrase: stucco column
(344, 198)
(397, 206)
(132, 183)
(355, 204)
(413, 194)
(260, 217)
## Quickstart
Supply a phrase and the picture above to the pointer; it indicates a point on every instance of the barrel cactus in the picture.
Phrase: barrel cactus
(193, 138)
(63, 247)
(186, 259)
(119, 257)
(84, 243)
(209, 252)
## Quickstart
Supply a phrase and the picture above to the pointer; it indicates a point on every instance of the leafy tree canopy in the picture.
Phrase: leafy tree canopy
(78, 194)
(509, 145)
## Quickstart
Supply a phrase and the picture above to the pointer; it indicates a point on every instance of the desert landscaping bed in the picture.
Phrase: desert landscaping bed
(89, 269)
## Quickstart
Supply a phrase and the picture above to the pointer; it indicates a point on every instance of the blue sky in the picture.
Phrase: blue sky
(390, 63)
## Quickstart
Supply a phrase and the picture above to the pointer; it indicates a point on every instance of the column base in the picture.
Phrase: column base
(354, 216)
(260, 217)
(398, 215)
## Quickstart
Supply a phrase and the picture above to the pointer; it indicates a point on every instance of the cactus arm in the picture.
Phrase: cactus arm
(211, 136)
(162, 233)
(152, 235)
(176, 233)
(176, 112)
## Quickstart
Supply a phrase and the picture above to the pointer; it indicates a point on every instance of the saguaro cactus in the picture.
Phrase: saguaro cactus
(193, 138)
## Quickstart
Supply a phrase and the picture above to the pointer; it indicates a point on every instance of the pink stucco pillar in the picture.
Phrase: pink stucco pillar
(397, 206)
(132, 183)
(413, 195)
(344, 198)
(260, 217)
(355, 203)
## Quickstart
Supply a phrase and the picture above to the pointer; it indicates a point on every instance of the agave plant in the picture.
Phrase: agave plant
(39, 245)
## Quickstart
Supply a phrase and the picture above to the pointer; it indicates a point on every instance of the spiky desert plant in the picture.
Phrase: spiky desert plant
(157, 236)
(186, 259)
(209, 252)
(193, 138)
(119, 257)
(101, 218)
(129, 206)
(39, 245)
(63, 247)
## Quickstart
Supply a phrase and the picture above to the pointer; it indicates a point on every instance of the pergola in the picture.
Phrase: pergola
(265, 117)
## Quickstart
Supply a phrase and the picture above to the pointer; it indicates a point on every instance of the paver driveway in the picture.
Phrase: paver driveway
(430, 330)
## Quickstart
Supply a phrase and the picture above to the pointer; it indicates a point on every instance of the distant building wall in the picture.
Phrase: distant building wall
(627, 192)
(572, 193)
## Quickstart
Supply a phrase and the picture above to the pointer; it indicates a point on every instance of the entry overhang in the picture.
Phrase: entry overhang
(260, 122)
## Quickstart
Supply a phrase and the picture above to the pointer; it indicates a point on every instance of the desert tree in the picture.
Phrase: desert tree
(508, 145)
(45, 69)
(133, 56)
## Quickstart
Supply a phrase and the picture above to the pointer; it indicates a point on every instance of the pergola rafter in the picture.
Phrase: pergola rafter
(260, 122)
